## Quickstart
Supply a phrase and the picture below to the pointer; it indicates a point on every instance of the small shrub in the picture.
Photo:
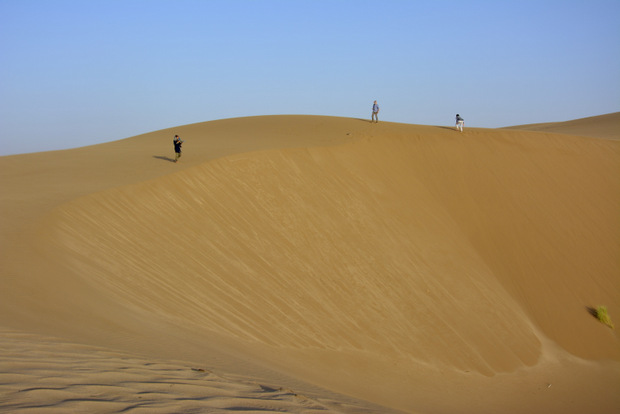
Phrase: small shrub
(603, 316)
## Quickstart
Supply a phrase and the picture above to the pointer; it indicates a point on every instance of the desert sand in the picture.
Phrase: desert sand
(314, 264)
(602, 126)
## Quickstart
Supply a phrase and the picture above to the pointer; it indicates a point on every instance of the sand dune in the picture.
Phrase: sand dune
(406, 266)
(44, 375)
(602, 126)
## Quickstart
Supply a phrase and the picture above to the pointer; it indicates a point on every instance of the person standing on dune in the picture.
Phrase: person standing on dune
(375, 113)
(177, 147)
(459, 122)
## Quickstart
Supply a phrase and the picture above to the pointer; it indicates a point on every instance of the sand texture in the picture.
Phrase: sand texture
(314, 264)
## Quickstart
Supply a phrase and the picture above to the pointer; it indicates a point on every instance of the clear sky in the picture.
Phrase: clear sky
(79, 72)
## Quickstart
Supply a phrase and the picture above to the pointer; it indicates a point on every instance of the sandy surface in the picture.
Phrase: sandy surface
(302, 264)
(602, 126)
(44, 375)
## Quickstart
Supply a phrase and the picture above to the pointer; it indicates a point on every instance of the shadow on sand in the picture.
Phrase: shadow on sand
(592, 311)
(160, 157)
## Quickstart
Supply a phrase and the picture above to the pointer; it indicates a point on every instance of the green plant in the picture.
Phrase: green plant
(603, 316)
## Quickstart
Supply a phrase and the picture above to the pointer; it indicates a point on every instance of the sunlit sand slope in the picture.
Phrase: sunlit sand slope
(602, 126)
(395, 263)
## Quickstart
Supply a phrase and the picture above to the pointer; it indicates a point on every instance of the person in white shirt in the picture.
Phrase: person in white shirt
(459, 122)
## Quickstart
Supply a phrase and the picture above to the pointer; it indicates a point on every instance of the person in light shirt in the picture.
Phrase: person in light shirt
(375, 113)
(459, 122)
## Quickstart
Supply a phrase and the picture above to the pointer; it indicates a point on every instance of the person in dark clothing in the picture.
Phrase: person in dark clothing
(177, 147)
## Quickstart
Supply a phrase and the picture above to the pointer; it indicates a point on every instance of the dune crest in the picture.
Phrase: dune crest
(379, 261)
(602, 126)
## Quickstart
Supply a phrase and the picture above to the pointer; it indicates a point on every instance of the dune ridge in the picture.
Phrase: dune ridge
(602, 126)
(394, 263)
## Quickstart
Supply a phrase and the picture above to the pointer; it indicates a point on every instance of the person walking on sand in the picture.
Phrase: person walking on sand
(177, 147)
(375, 113)
(459, 122)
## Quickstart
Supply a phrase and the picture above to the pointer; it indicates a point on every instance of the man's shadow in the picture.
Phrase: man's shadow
(159, 157)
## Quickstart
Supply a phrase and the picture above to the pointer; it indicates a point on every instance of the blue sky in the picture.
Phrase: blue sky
(75, 73)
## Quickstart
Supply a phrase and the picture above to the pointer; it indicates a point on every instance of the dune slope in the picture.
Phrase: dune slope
(395, 263)
(602, 126)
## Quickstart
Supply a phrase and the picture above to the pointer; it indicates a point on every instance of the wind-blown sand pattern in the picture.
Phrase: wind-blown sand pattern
(315, 264)
(41, 375)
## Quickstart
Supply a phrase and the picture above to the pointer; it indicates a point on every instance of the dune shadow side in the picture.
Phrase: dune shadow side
(161, 157)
